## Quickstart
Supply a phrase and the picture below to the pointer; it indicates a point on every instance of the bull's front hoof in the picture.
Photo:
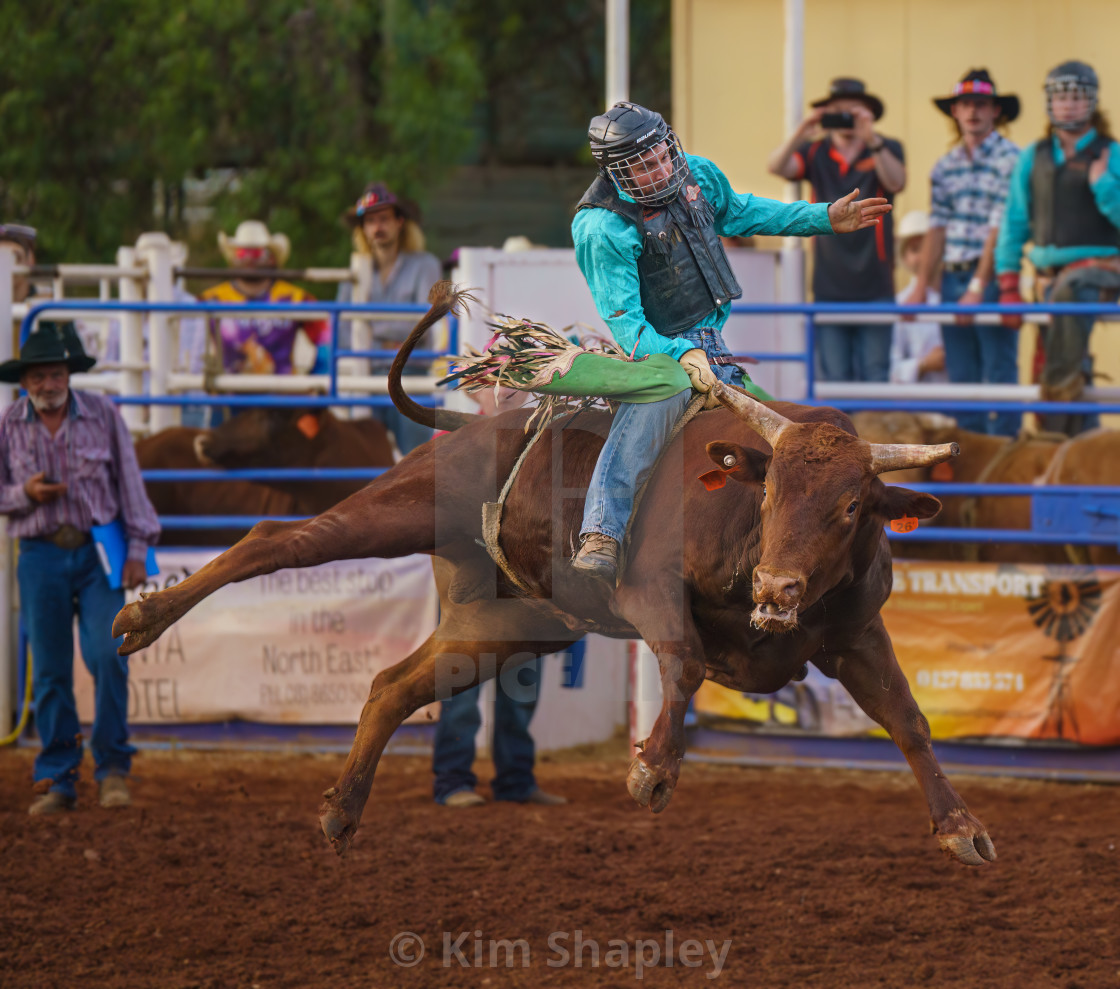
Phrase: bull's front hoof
(337, 824)
(651, 788)
(141, 623)
(964, 838)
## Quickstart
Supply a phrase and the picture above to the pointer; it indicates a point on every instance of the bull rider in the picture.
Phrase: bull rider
(647, 235)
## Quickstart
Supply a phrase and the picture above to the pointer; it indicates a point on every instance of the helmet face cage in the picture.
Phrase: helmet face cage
(641, 175)
(1076, 85)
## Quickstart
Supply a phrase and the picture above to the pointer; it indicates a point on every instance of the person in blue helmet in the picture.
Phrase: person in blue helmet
(647, 235)
(1065, 199)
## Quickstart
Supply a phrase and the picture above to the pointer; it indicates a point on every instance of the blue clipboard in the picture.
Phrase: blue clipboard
(112, 548)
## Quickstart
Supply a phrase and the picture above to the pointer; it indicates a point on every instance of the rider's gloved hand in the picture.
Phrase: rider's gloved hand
(699, 371)
(1009, 295)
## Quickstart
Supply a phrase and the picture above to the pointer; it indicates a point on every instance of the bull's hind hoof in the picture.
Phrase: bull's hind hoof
(337, 826)
(964, 838)
(649, 787)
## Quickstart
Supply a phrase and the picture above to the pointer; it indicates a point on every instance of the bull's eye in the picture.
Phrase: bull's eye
(729, 460)
(853, 507)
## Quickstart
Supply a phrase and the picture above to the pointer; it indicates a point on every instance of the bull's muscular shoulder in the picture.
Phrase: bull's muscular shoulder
(814, 413)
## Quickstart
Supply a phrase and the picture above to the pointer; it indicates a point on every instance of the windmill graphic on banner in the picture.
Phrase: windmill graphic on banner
(1063, 610)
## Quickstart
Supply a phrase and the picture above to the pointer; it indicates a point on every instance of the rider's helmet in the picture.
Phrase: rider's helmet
(638, 152)
(1072, 77)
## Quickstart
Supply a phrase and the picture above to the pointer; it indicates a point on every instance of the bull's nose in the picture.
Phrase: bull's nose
(784, 589)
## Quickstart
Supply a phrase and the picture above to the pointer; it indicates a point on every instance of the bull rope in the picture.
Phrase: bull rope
(492, 510)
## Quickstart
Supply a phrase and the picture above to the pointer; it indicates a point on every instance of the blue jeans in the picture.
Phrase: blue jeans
(408, 434)
(1066, 340)
(512, 745)
(55, 585)
(988, 354)
(854, 353)
(637, 437)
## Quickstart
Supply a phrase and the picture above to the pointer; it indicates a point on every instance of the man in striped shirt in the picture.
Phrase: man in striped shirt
(968, 192)
(66, 465)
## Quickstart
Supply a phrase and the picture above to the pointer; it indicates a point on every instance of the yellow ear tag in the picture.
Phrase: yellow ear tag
(905, 524)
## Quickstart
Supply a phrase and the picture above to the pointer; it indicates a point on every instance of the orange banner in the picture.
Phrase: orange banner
(990, 651)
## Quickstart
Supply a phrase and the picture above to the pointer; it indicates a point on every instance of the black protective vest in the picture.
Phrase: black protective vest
(1063, 210)
(683, 272)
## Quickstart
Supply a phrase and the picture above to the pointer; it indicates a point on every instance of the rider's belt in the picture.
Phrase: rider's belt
(64, 537)
(961, 265)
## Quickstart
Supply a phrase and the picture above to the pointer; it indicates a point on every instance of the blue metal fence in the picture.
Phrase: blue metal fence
(812, 313)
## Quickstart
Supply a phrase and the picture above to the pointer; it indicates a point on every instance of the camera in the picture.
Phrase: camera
(838, 121)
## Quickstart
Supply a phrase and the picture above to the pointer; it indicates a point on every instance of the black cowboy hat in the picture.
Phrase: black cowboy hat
(977, 83)
(52, 343)
(846, 88)
(377, 195)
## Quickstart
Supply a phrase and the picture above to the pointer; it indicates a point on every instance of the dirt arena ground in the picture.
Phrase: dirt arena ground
(219, 877)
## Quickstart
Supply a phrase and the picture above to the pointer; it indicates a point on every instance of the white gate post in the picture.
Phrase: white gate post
(163, 330)
(132, 342)
(361, 330)
(8, 660)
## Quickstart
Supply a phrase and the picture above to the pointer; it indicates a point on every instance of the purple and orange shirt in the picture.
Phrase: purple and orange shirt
(252, 345)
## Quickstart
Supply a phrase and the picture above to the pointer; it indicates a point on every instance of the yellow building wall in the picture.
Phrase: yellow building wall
(729, 105)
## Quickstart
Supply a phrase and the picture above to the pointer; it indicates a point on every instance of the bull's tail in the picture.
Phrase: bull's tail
(444, 299)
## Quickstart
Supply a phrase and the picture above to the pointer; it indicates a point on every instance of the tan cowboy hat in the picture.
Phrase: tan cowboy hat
(253, 233)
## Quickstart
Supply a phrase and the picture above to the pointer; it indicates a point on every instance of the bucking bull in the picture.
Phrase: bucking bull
(787, 563)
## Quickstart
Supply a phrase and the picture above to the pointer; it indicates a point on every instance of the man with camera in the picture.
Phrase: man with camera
(849, 155)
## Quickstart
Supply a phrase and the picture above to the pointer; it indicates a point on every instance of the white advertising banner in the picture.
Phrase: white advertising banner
(296, 646)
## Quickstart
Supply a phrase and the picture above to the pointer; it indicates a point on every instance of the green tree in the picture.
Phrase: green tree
(109, 107)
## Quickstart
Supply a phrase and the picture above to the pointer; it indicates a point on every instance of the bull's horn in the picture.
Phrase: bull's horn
(899, 456)
(764, 421)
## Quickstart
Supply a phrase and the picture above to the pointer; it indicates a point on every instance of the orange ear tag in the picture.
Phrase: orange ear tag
(308, 425)
(716, 479)
(905, 524)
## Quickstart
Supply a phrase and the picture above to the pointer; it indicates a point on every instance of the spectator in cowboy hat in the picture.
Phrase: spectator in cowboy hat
(66, 466)
(261, 345)
(847, 155)
(386, 232)
(968, 193)
(23, 239)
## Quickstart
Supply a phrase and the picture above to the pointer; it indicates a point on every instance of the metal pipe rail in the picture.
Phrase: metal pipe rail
(264, 474)
(244, 383)
(890, 312)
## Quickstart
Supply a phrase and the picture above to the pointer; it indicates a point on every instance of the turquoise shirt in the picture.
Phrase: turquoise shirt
(1016, 228)
(608, 248)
